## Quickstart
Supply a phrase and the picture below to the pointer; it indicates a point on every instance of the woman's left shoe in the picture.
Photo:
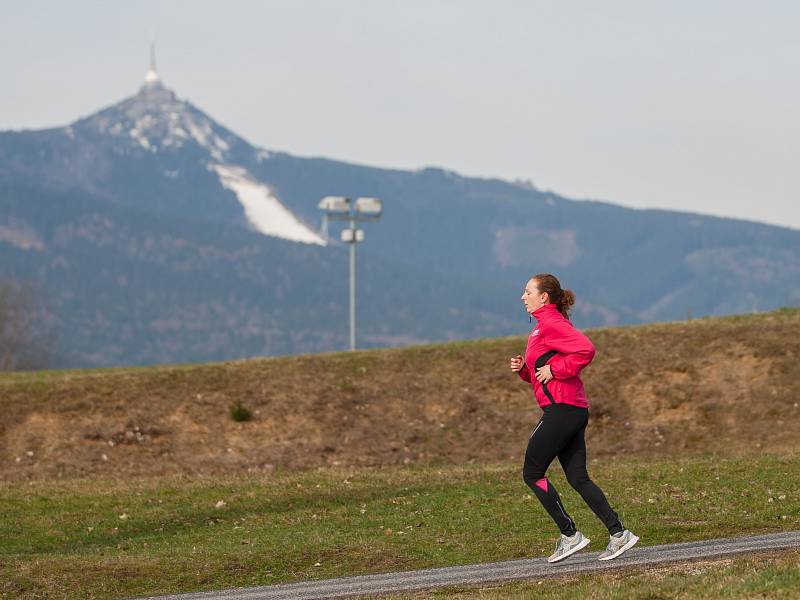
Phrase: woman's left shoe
(618, 545)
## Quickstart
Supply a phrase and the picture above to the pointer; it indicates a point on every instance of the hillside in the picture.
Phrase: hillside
(718, 384)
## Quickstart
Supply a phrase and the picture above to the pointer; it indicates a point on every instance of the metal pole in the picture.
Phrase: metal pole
(353, 286)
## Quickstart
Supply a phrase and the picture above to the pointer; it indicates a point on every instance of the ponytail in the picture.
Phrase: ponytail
(565, 302)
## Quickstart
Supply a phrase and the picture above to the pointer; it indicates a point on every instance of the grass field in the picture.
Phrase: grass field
(109, 538)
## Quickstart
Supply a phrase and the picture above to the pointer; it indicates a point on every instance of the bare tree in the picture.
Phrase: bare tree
(26, 339)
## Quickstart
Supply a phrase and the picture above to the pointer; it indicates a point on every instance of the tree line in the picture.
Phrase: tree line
(27, 337)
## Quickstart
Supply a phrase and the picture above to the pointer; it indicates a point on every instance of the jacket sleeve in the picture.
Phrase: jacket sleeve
(575, 350)
(524, 372)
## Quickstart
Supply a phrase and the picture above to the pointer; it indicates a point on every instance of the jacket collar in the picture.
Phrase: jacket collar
(545, 310)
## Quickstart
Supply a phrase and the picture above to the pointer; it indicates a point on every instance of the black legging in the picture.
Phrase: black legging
(560, 433)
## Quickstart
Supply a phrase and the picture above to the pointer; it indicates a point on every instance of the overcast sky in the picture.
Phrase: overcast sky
(681, 105)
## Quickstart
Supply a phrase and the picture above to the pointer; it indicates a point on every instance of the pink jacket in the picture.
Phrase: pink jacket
(556, 342)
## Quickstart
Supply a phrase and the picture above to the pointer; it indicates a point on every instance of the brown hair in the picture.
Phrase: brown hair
(563, 299)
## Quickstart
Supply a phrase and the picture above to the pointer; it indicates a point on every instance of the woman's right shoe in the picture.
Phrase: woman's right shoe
(568, 545)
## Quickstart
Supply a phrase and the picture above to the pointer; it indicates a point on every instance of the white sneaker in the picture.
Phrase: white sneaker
(618, 545)
(568, 545)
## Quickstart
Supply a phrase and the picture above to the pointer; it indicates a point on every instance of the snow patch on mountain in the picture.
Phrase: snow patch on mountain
(157, 120)
(203, 134)
(263, 209)
(136, 134)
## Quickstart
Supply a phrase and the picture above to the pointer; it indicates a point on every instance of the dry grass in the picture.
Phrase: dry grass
(725, 385)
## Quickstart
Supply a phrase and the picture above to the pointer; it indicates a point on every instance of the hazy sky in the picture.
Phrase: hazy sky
(682, 105)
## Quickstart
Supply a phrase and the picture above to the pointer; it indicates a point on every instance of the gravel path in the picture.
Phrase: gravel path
(498, 572)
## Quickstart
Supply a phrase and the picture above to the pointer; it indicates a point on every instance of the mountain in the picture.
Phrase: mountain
(156, 152)
(158, 235)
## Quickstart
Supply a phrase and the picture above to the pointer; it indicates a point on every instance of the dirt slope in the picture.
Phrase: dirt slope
(728, 384)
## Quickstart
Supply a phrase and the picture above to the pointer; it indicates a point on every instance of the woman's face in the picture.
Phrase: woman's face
(532, 297)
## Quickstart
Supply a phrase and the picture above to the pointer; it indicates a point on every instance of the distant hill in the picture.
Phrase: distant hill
(159, 236)
(719, 385)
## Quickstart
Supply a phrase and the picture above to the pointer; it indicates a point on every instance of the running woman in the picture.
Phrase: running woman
(555, 355)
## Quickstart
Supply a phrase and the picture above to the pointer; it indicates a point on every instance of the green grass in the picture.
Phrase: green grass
(68, 539)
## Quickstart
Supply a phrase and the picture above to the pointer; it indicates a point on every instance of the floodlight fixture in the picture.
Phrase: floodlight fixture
(336, 204)
(369, 206)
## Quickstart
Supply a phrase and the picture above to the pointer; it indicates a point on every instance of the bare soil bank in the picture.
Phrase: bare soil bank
(720, 385)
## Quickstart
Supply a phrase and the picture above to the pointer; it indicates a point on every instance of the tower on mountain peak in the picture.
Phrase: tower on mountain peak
(151, 78)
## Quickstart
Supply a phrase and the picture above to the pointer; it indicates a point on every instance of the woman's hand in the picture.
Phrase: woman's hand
(516, 362)
(543, 374)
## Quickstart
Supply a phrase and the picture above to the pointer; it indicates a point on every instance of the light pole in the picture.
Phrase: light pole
(344, 209)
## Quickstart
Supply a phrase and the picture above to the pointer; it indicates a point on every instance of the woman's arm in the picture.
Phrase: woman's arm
(575, 350)
(525, 373)
(518, 365)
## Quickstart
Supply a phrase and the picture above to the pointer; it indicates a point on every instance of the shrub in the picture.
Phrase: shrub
(240, 412)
